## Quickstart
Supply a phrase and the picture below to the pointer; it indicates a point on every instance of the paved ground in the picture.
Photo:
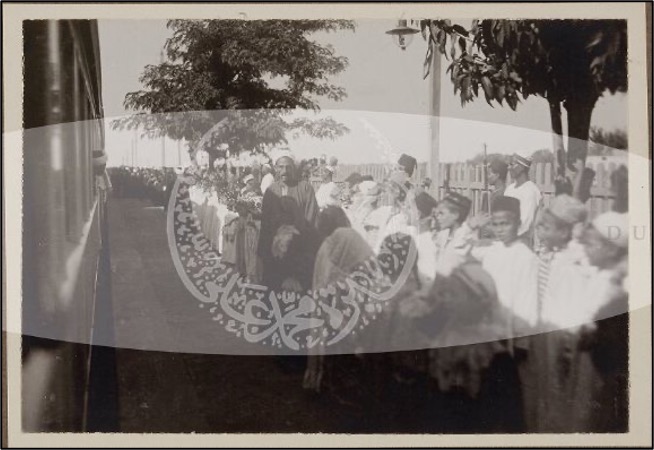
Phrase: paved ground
(183, 392)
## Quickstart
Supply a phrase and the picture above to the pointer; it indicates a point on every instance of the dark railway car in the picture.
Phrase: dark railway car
(65, 249)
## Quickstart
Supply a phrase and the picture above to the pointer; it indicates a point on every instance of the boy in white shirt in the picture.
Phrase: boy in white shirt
(512, 265)
(514, 269)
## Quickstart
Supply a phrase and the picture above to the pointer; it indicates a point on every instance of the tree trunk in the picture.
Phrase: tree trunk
(579, 111)
(557, 136)
(562, 184)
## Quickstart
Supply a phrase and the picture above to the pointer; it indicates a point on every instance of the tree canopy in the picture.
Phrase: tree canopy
(570, 63)
(213, 68)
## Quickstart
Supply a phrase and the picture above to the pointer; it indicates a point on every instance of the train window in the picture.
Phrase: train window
(74, 205)
(80, 117)
(84, 150)
(88, 159)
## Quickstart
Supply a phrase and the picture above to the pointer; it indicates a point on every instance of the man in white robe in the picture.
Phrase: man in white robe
(527, 193)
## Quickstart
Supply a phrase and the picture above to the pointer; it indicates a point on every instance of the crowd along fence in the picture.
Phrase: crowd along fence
(469, 180)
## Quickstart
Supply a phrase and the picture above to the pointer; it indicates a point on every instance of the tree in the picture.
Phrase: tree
(544, 155)
(570, 63)
(225, 69)
(480, 158)
(604, 142)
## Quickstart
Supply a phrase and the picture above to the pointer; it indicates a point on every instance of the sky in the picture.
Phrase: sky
(386, 93)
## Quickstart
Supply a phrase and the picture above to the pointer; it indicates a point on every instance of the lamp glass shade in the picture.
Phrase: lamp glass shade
(402, 34)
(403, 40)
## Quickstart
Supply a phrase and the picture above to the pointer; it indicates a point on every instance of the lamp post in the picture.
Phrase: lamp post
(402, 34)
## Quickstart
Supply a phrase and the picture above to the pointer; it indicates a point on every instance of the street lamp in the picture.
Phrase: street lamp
(402, 34)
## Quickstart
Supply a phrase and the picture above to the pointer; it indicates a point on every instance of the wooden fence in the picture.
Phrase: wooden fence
(468, 179)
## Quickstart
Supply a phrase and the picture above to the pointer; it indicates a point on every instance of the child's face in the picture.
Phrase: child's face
(446, 216)
(505, 226)
(551, 232)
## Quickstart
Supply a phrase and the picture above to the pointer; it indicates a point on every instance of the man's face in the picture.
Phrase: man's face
(492, 178)
(551, 232)
(516, 169)
(505, 226)
(285, 167)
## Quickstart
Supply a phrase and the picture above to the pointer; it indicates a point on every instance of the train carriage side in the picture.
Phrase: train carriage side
(65, 254)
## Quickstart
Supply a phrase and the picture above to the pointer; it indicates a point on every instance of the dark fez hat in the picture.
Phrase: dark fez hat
(354, 178)
(425, 203)
(408, 162)
(462, 202)
(509, 204)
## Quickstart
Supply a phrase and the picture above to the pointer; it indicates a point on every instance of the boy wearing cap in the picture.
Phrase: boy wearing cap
(562, 279)
(606, 244)
(512, 265)
(527, 193)
(514, 268)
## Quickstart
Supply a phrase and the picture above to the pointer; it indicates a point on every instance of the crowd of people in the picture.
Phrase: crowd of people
(538, 292)
(146, 183)
(523, 304)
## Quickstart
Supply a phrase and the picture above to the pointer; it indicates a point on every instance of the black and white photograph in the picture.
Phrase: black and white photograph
(327, 225)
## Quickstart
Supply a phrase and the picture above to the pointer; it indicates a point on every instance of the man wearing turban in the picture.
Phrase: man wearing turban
(288, 241)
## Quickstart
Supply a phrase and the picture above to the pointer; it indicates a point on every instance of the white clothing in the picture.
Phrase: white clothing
(328, 195)
(426, 257)
(530, 197)
(514, 269)
(562, 303)
(383, 222)
(452, 248)
(266, 181)
(601, 289)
